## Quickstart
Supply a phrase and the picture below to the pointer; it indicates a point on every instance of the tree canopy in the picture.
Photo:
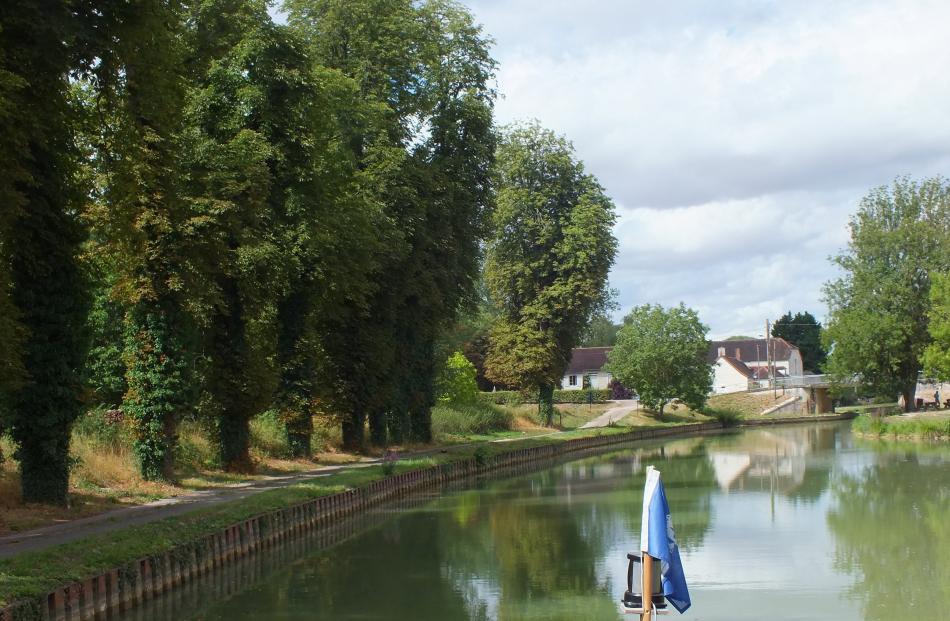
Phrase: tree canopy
(661, 354)
(879, 308)
(548, 260)
(936, 358)
(803, 331)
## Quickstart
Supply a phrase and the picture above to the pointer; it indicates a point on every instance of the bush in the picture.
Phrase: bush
(503, 397)
(514, 397)
(932, 428)
(103, 428)
(269, 435)
(468, 419)
(618, 391)
(582, 396)
(456, 381)
(728, 417)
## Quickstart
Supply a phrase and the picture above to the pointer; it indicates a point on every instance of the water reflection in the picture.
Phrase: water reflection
(796, 521)
(892, 530)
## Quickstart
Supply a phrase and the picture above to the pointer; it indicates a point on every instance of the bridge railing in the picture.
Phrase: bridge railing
(799, 381)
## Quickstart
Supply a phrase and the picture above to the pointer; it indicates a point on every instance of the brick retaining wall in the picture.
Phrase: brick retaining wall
(140, 581)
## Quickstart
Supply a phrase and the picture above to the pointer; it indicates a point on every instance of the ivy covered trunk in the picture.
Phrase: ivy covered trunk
(39, 245)
(49, 291)
(299, 424)
(352, 429)
(156, 375)
(234, 441)
(377, 427)
(546, 404)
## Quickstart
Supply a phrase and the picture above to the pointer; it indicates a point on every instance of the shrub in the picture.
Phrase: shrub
(468, 419)
(728, 417)
(618, 391)
(269, 435)
(503, 397)
(582, 396)
(456, 381)
(103, 428)
(514, 397)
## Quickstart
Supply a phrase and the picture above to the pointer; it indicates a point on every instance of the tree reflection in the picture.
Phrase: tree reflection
(892, 531)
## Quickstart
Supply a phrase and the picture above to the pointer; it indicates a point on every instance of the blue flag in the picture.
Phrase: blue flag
(658, 540)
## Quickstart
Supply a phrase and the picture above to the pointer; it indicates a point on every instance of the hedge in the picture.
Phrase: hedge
(514, 397)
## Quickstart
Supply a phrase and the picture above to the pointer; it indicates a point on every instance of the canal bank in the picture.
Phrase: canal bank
(180, 561)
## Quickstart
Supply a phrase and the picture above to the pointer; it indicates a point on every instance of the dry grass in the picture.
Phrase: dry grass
(748, 403)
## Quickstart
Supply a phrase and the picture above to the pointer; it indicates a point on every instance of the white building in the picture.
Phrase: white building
(743, 364)
(587, 369)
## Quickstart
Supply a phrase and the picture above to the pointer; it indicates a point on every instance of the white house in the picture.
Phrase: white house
(587, 362)
(742, 364)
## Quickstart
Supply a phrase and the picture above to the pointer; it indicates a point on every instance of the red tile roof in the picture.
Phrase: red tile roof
(750, 350)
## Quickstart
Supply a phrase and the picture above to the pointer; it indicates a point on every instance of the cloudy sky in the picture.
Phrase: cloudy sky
(735, 136)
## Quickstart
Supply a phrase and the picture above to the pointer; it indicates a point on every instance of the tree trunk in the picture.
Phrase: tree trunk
(352, 429)
(45, 473)
(377, 427)
(546, 404)
(909, 394)
(234, 441)
(659, 415)
(299, 432)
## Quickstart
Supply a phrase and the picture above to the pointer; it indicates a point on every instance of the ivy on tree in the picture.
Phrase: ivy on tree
(43, 291)
(548, 261)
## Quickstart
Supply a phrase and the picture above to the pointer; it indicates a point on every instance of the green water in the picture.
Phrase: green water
(800, 522)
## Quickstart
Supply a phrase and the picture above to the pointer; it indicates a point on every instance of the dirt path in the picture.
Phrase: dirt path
(613, 415)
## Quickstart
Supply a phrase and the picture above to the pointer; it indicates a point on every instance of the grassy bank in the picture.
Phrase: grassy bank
(935, 426)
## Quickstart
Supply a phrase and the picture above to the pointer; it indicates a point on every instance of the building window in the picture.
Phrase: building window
(572, 380)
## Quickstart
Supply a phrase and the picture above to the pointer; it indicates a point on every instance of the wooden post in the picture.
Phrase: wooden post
(646, 587)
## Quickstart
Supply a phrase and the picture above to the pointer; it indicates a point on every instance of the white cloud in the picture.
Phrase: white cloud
(736, 137)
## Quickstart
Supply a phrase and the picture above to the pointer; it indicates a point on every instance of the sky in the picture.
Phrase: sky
(736, 137)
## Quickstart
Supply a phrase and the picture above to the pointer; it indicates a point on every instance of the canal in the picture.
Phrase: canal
(797, 522)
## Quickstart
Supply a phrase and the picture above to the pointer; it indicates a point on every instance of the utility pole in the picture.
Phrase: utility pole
(768, 355)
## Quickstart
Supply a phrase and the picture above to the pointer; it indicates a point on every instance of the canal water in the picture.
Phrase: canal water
(798, 522)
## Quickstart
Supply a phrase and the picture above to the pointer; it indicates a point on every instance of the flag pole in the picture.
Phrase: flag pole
(646, 586)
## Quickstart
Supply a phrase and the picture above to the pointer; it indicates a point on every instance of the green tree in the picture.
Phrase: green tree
(142, 222)
(877, 325)
(602, 332)
(803, 331)
(43, 291)
(547, 264)
(661, 354)
(936, 358)
(423, 143)
(456, 381)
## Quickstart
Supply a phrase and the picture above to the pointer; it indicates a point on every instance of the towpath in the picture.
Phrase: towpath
(613, 415)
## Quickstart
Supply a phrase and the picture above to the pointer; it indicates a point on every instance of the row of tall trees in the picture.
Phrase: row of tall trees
(236, 214)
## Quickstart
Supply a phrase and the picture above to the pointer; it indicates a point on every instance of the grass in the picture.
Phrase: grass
(453, 420)
(747, 404)
(104, 475)
(935, 426)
